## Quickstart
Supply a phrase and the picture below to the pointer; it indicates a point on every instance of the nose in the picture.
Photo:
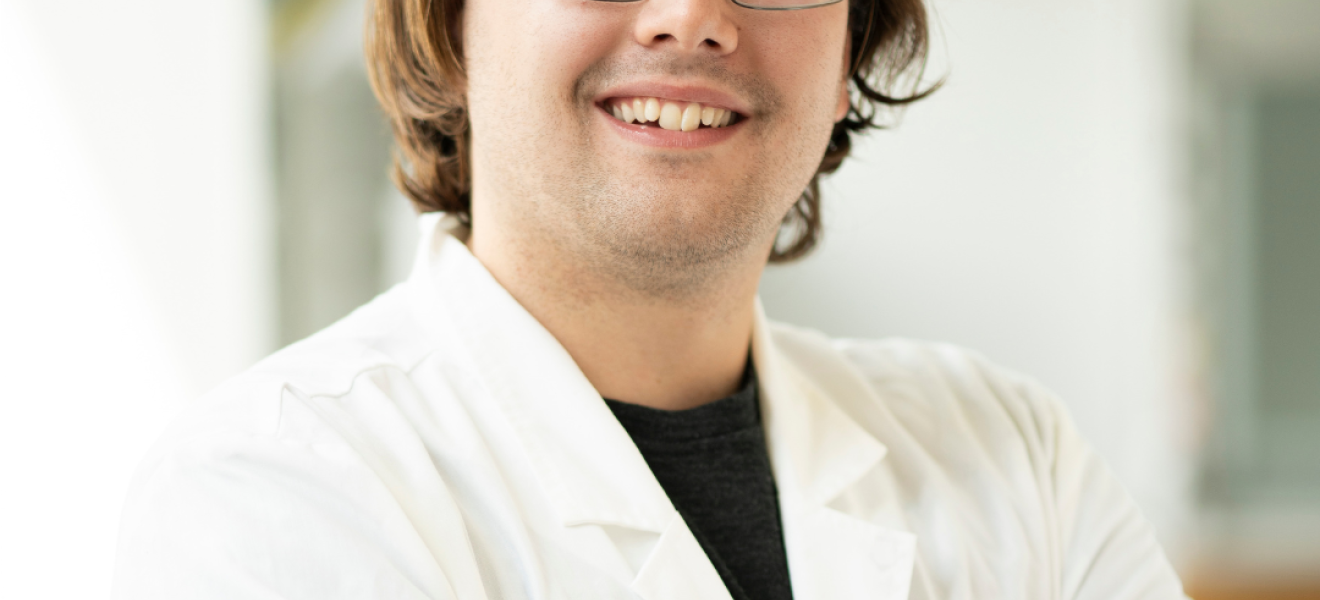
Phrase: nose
(688, 26)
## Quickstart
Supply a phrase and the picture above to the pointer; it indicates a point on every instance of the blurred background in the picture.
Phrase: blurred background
(1119, 197)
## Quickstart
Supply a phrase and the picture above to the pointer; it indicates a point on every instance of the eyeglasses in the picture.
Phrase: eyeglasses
(765, 4)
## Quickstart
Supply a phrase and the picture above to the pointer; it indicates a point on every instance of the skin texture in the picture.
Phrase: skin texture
(643, 261)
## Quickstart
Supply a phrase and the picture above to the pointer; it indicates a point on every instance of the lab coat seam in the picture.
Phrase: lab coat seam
(1016, 406)
(285, 389)
(1110, 538)
(1049, 488)
(352, 385)
(289, 387)
(1039, 406)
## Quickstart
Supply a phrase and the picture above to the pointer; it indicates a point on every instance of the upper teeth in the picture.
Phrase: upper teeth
(674, 116)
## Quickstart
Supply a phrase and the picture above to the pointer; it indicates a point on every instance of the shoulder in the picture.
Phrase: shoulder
(313, 414)
(972, 444)
(297, 457)
(375, 339)
(932, 391)
(278, 408)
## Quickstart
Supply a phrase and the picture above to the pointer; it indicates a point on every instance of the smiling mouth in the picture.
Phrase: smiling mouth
(670, 115)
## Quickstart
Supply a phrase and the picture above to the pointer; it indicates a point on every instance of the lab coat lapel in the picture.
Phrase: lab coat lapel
(678, 569)
(587, 465)
(818, 453)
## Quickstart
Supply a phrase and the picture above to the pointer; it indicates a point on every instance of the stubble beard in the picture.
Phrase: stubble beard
(654, 239)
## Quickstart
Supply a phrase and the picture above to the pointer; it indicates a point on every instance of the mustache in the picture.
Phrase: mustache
(606, 72)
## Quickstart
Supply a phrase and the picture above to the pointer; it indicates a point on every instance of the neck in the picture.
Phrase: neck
(669, 351)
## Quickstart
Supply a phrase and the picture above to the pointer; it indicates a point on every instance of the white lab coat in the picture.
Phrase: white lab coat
(440, 443)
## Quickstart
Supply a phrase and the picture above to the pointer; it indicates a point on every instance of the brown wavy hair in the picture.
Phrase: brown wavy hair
(415, 61)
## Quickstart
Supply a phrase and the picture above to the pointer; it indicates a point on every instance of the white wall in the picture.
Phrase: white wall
(1031, 210)
(133, 250)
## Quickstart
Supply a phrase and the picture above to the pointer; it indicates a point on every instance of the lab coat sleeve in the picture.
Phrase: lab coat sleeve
(240, 514)
(1108, 550)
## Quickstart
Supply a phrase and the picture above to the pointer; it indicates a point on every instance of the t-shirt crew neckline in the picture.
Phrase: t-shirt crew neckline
(731, 414)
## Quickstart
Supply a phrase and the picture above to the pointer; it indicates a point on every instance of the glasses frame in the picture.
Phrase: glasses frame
(743, 4)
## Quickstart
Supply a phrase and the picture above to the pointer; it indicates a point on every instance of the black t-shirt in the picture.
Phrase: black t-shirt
(713, 464)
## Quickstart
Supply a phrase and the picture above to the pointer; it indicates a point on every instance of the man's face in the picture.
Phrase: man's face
(650, 200)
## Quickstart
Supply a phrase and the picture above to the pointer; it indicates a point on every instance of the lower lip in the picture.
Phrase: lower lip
(653, 135)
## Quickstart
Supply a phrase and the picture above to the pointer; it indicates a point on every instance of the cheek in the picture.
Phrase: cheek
(530, 54)
(806, 65)
(813, 76)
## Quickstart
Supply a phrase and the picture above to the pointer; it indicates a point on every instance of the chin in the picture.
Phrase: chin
(677, 236)
(673, 221)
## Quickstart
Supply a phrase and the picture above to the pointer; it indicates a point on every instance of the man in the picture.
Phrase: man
(576, 395)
